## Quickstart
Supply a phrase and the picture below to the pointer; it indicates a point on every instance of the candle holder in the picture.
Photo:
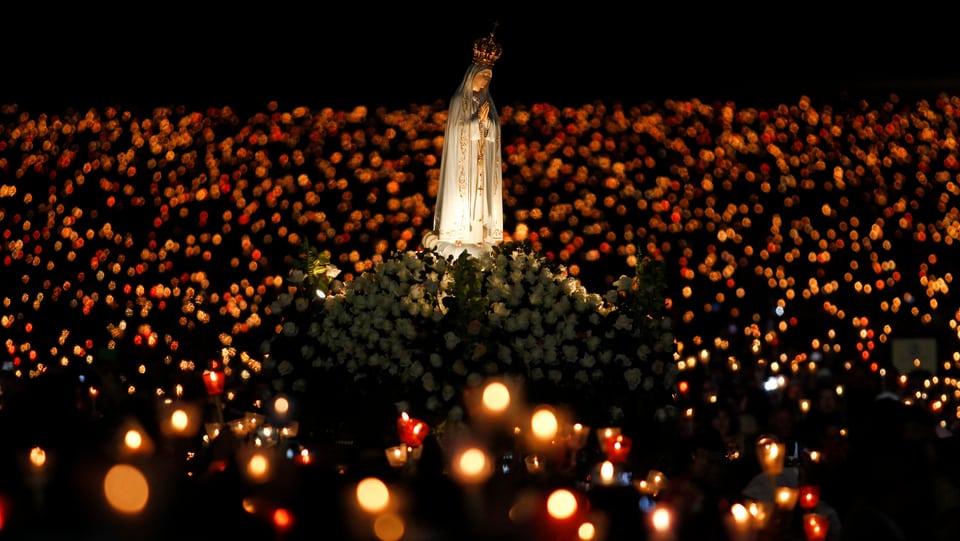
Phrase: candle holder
(603, 434)
(609, 473)
(761, 513)
(213, 381)
(786, 498)
(412, 431)
(809, 497)
(576, 436)
(771, 452)
(739, 524)
(396, 455)
(815, 526)
(617, 448)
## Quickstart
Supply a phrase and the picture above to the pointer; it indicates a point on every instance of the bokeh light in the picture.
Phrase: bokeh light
(126, 489)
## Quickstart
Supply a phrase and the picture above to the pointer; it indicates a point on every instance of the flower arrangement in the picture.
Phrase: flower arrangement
(419, 330)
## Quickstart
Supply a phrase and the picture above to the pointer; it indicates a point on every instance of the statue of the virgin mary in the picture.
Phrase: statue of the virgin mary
(469, 211)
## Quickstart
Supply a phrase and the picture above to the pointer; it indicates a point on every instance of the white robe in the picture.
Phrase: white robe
(469, 209)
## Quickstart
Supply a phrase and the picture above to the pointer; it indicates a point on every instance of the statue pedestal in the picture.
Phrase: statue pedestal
(447, 249)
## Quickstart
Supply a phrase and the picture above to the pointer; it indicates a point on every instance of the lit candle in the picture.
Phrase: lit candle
(213, 380)
(212, 430)
(544, 427)
(38, 457)
(770, 453)
(496, 398)
(661, 523)
(606, 433)
(533, 464)
(655, 481)
(618, 448)
(786, 498)
(607, 471)
(94, 393)
(397, 455)
(471, 466)
(737, 523)
(303, 457)
(809, 497)
(643, 487)
(815, 526)
(291, 430)
(760, 513)
(412, 431)
(578, 436)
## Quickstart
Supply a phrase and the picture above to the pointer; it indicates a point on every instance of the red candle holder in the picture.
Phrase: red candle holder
(412, 431)
(809, 497)
(815, 526)
(618, 448)
(213, 380)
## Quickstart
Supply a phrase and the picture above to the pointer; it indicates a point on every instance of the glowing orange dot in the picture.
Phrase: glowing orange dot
(282, 519)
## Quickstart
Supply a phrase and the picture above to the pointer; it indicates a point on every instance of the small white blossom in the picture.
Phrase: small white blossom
(633, 376)
(623, 323)
(415, 369)
(455, 414)
(624, 283)
(588, 361)
(504, 355)
(616, 413)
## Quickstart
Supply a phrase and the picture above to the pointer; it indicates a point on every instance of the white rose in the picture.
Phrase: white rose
(623, 323)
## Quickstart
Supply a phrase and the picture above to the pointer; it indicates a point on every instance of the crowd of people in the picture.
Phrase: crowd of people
(803, 241)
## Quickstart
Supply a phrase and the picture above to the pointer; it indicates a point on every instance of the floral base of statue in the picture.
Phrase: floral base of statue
(422, 329)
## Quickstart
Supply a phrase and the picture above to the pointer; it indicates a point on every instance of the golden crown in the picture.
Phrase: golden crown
(485, 50)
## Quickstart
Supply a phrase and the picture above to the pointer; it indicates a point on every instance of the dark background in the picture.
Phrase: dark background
(397, 54)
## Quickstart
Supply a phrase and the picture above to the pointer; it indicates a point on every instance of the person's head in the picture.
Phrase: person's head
(482, 79)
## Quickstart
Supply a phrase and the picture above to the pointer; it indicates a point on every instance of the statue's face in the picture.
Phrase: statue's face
(482, 79)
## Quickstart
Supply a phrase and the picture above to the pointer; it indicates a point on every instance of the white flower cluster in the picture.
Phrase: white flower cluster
(410, 327)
